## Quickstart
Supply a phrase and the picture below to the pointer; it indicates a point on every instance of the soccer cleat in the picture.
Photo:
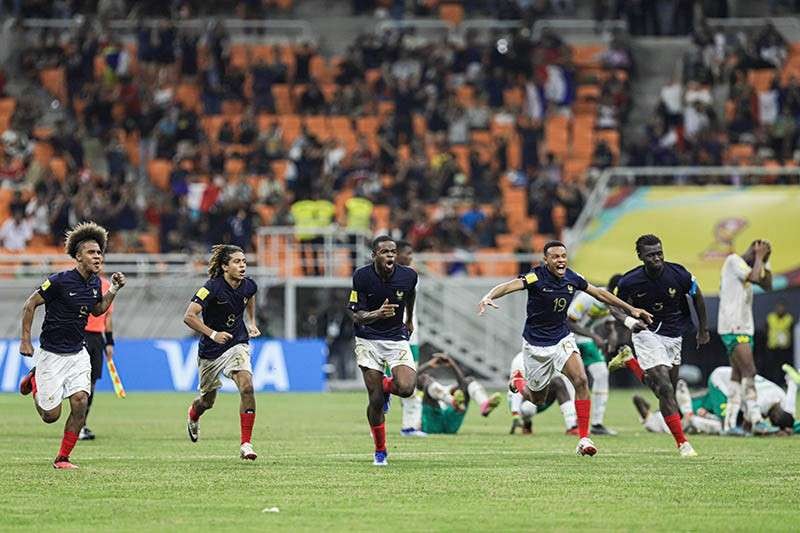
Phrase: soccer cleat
(686, 450)
(412, 432)
(85, 434)
(600, 429)
(624, 355)
(586, 447)
(458, 400)
(63, 463)
(735, 431)
(192, 427)
(572, 431)
(791, 372)
(28, 383)
(490, 404)
(381, 458)
(527, 427)
(764, 428)
(247, 452)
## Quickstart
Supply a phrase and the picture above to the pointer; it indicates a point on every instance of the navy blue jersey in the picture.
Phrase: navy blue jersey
(223, 310)
(370, 291)
(548, 300)
(68, 300)
(663, 296)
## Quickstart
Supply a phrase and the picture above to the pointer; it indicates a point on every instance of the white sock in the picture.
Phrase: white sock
(750, 396)
(570, 415)
(791, 396)
(477, 393)
(412, 411)
(706, 425)
(439, 392)
(599, 373)
(527, 410)
(655, 423)
(683, 398)
(733, 406)
(514, 402)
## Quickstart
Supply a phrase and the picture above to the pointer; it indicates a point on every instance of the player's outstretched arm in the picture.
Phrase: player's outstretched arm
(117, 282)
(192, 319)
(702, 318)
(386, 310)
(631, 323)
(28, 310)
(252, 328)
(606, 297)
(499, 291)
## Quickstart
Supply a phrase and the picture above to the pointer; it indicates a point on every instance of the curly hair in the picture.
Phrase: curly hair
(220, 255)
(85, 231)
(646, 240)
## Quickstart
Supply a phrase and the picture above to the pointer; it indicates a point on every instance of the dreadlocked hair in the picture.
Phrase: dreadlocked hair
(85, 231)
(220, 255)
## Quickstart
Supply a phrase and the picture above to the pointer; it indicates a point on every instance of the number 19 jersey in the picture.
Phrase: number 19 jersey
(549, 298)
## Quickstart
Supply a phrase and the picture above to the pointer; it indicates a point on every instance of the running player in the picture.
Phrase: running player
(62, 368)
(382, 307)
(548, 344)
(523, 411)
(735, 327)
(224, 345)
(594, 330)
(412, 406)
(100, 345)
(661, 287)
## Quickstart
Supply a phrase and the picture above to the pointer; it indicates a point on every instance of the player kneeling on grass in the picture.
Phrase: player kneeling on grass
(224, 348)
(523, 411)
(62, 368)
(444, 407)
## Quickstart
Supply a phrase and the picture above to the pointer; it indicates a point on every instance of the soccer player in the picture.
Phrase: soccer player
(443, 407)
(382, 308)
(62, 366)
(548, 344)
(224, 345)
(661, 288)
(100, 345)
(594, 330)
(523, 411)
(735, 326)
(412, 406)
(701, 421)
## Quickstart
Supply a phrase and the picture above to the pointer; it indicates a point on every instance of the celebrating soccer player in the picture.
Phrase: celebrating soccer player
(62, 367)
(382, 308)
(224, 346)
(735, 326)
(661, 288)
(548, 344)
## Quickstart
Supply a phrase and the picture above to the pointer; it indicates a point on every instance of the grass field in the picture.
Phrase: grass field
(142, 473)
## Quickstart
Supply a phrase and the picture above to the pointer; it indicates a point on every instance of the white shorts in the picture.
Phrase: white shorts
(59, 376)
(653, 349)
(234, 359)
(542, 363)
(377, 355)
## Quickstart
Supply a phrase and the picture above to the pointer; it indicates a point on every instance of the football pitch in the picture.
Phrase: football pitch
(315, 466)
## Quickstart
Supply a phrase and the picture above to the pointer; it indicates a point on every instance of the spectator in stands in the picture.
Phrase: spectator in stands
(302, 58)
(779, 336)
(313, 101)
(16, 231)
(671, 102)
(783, 135)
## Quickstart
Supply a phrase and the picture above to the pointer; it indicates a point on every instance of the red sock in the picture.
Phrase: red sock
(387, 385)
(379, 436)
(583, 409)
(633, 366)
(193, 416)
(67, 443)
(519, 384)
(246, 421)
(675, 427)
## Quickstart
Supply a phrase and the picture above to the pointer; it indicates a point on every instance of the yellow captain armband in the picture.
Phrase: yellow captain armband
(353, 297)
(46, 285)
(531, 278)
(202, 293)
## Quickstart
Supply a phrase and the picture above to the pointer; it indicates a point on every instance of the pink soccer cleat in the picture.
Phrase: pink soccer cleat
(63, 463)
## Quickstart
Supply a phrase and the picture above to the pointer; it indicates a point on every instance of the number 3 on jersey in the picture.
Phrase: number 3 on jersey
(559, 304)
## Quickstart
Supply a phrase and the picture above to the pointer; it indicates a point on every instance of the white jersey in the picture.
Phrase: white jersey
(589, 312)
(768, 392)
(735, 298)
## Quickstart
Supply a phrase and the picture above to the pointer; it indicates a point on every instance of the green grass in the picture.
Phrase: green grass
(142, 473)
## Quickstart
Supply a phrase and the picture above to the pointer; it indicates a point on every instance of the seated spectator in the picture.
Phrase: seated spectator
(313, 101)
(16, 231)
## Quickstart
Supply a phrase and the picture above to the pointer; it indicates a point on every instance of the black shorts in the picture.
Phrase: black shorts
(96, 346)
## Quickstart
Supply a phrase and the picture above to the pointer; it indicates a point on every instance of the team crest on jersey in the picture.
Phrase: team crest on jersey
(94, 293)
(399, 294)
(570, 289)
(672, 292)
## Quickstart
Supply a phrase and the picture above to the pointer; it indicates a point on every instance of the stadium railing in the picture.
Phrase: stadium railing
(789, 27)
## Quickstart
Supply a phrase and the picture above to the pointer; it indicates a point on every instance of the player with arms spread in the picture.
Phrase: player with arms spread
(224, 348)
(62, 367)
(661, 288)
(382, 307)
(548, 344)
(736, 327)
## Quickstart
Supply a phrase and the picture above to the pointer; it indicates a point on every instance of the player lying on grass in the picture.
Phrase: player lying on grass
(444, 406)
(523, 411)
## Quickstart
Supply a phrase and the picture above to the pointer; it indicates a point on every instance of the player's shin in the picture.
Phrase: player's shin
(246, 421)
(569, 414)
(412, 411)
(67, 444)
(733, 406)
(439, 392)
(753, 411)
(583, 410)
(379, 436)
(599, 374)
(675, 426)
